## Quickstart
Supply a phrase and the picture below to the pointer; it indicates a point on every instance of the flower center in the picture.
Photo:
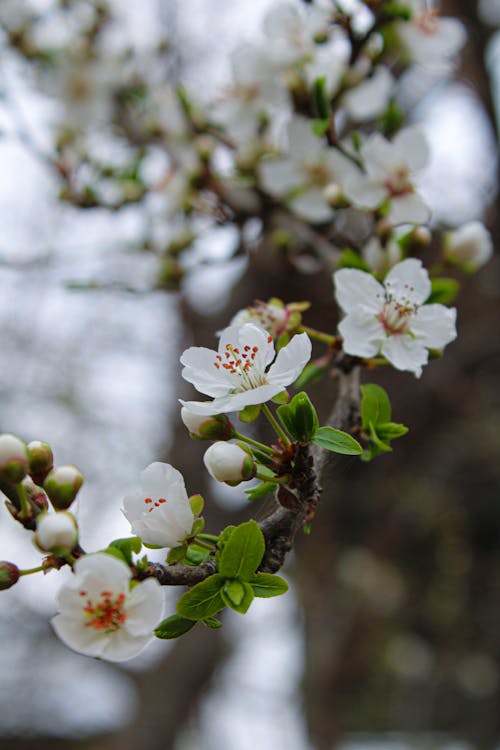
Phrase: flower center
(395, 315)
(154, 503)
(398, 182)
(318, 175)
(427, 22)
(244, 364)
(107, 614)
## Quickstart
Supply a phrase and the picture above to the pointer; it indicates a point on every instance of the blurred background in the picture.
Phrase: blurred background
(389, 638)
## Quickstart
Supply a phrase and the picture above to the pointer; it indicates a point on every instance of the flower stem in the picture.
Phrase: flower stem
(202, 543)
(274, 480)
(326, 338)
(208, 537)
(23, 500)
(29, 571)
(255, 443)
(275, 425)
(376, 361)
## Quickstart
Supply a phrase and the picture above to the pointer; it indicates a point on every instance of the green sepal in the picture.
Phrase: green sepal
(321, 101)
(203, 600)
(265, 585)
(198, 526)
(195, 555)
(115, 552)
(126, 548)
(299, 418)
(238, 595)
(261, 490)
(443, 291)
(375, 405)
(196, 502)
(173, 627)
(392, 119)
(351, 259)
(243, 551)
(307, 527)
(337, 441)
(212, 622)
(152, 546)
(176, 554)
(250, 413)
(282, 340)
(283, 397)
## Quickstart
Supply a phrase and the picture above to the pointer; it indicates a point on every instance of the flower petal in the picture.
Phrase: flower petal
(354, 287)
(408, 209)
(362, 333)
(413, 147)
(434, 325)
(200, 370)
(290, 361)
(144, 608)
(120, 645)
(405, 353)
(312, 206)
(280, 176)
(408, 280)
(75, 635)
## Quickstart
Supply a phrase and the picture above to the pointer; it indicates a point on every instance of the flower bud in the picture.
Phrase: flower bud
(9, 575)
(229, 463)
(62, 485)
(207, 428)
(41, 460)
(14, 463)
(469, 246)
(56, 532)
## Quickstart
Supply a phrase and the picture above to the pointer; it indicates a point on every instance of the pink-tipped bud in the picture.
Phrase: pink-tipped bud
(62, 485)
(230, 463)
(9, 575)
(41, 460)
(207, 428)
(56, 532)
(14, 462)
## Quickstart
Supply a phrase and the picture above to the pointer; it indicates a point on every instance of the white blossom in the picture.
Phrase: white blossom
(101, 615)
(13, 457)
(306, 173)
(391, 319)
(470, 245)
(238, 374)
(160, 512)
(429, 40)
(56, 530)
(390, 167)
(269, 315)
(228, 462)
(380, 258)
(369, 99)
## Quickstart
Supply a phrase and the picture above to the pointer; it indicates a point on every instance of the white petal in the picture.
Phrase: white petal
(408, 209)
(312, 206)
(354, 287)
(120, 645)
(301, 140)
(405, 353)
(200, 370)
(365, 192)
(144, 608)
(409, 280)
(413, 147)
(434, 325)
(380, 156)
(362, 333)
(290, 361)
(159, 478)
(280, 176)
(370, 98)
(235, 401)
(74, 634)
(101, 571)
(253, 335)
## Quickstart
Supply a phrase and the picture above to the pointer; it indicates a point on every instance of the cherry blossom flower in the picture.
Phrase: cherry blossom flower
(237, 375)
(229, 462)
(160, 512)
(390, 167)
(470, 245)
(101, 615)
(380, 258)
(56, 530)
(306, 173)
(369, 98)
(429, 40)
(391, 319)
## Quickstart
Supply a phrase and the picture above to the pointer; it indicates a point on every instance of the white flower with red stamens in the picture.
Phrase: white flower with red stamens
(390, 318)
(429, 40)
(101, 615)
(273, 317)
(160, 512)
(237, 375)
(389, 170)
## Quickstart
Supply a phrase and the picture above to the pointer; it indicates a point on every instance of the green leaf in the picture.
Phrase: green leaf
(261, 490)
(176, 554)
(266, 585)
(203, 600)
(310, 374)
(238, 595)
(375, 405)
(380, 445)
(392, 119)
(443, 291)
(173, 627)
(351, 259)
(243, 551)
(283, 397)
(337, 441)
(320, 126)
(196, 555)
(249, 413)
(196, 502)
(198, 525)
(321, 101)
(212, 622)
(299, 418)
(115, 552)
(391, 430)
(127, 547)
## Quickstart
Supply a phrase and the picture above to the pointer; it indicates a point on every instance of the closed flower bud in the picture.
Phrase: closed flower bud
(207, 428)
(41, 460)
(230, 463)
(9, 575)
(62, 485)
(56, 532)
(469, 246)
(14, 462)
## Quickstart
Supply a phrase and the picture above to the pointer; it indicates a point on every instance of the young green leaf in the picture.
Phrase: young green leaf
(310, 374)
(266, 585)
(127, 547)
(337, 441)
(203, 600)
(391, 431)
(212, 622)
(176, 554)
(242, 552)
(249, 413)
(196, 555)
(196, 502)
(299, 418)
(238, 595)
(443, 291)
(351, 259)
(375, 405)
(173, 627)
(261, 490)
